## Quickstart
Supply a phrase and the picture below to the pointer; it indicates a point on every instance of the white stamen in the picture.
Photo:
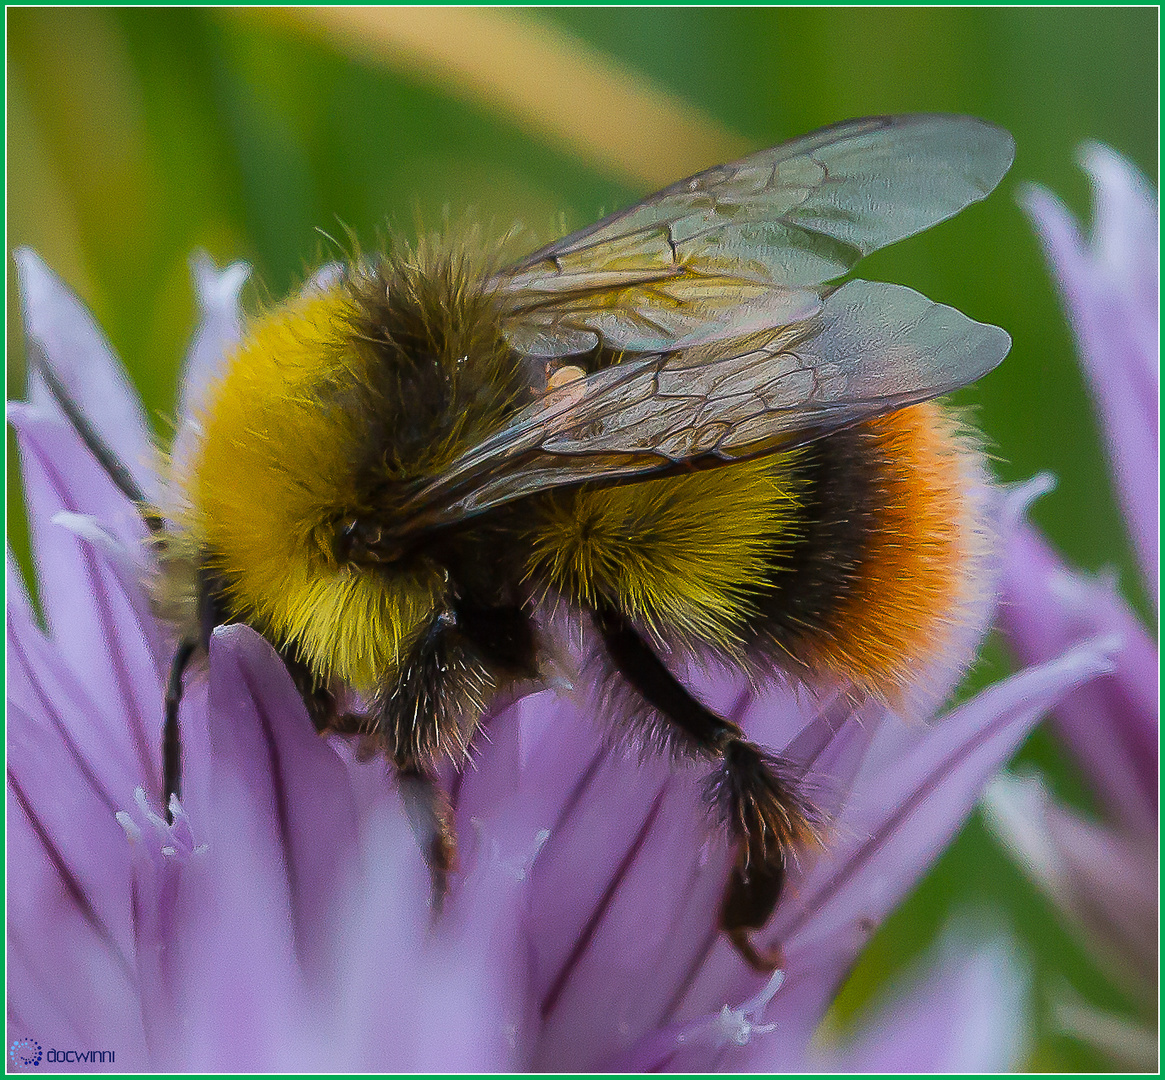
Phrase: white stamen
(736, 1026)
(156, 820)
(729, 1026)
(132, 832)
(174, 839)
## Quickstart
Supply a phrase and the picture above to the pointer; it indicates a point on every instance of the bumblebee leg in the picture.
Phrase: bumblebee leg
(171, 735)
(318, 699)
(431, 818)
(418, 719)
(757, 795)
(754, 792)
(432, 707)
(425, 803)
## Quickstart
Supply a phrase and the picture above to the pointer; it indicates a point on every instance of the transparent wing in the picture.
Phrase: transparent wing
(746, 246)
(872, 348)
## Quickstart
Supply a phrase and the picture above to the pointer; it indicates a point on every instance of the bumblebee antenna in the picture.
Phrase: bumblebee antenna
(114, 468)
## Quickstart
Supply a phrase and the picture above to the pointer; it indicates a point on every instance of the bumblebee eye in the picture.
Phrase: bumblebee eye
(360, 542)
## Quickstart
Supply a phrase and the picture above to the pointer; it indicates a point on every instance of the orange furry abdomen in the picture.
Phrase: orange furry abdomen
(886, 562)
(921, 569)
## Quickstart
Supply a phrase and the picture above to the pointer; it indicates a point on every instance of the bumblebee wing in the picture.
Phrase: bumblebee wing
(745, 246)
(873, 348)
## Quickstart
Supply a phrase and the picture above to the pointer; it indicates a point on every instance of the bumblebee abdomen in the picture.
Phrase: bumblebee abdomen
(886, 556)
(852, 558)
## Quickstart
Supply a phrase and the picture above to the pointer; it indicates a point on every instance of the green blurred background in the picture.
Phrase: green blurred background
(138, 135)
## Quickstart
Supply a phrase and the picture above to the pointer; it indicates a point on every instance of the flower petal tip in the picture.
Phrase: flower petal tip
(218, 288)
(29, 265)
(1019, 498)
(1036, 201)
(16, 411)
(1106, 168)
(326, 276)
(1096, 655)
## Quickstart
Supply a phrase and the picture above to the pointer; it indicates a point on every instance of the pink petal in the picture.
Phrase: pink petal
(219, 326)
(637, 838)
(62, 332)
(966, 1012)
(92, 736)
(72, 816)
(1110, 291)
(1104, 883)
(387, 1008)
(1110, 724)
(283, 800)
(68, 973)
(885, 840)
(91, 609)
(249, 923)
(168, 883)
(218, 332)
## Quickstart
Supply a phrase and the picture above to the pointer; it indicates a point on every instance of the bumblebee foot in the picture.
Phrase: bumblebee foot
(430, 816)
(749, 899)
(763, 960)
(759, 801)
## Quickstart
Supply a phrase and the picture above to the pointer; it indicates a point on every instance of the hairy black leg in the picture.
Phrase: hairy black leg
(171, 736)
(703, 731)
(432, 708)
(757, 794)
(754, 792)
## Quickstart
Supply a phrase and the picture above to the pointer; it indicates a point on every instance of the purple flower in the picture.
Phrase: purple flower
(281, 921)
(973, 989)
(1110, 285)
(1102, 875)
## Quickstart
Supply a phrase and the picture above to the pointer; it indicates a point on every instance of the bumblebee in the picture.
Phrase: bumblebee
(673, 427)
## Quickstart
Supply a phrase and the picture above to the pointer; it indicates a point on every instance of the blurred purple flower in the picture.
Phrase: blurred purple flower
(281, 921)
(1110, 288)
(972, 989)
(1101, 876)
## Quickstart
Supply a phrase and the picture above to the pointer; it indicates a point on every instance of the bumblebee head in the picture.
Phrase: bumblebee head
(292, 465)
